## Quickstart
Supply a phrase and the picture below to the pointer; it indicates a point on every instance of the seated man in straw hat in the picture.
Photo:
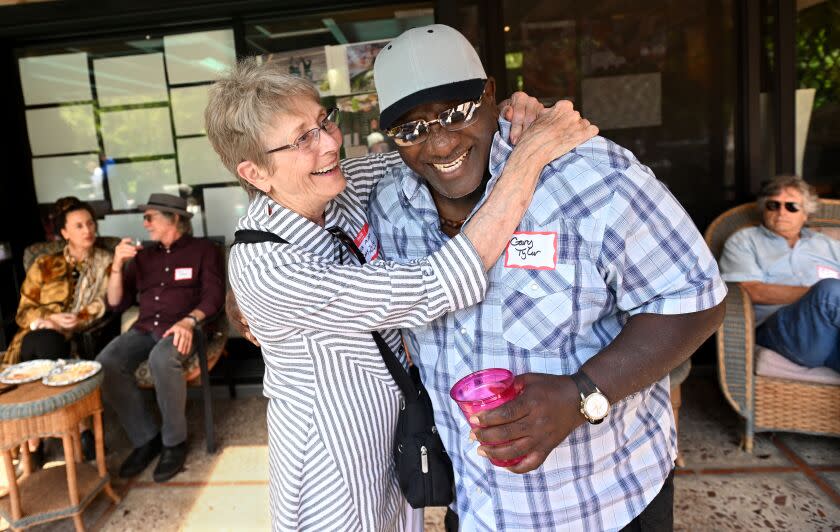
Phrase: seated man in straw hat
(177, 282)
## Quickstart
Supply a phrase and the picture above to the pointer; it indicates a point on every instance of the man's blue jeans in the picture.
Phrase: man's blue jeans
(808, 331)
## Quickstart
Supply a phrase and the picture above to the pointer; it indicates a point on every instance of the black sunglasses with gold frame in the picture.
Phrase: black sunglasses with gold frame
(790, 206)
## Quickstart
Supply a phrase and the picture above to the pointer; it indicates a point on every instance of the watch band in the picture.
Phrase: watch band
(594, 405)
(190, 316)
(584, 384)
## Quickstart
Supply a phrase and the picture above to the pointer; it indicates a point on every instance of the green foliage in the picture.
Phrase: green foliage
(818, 51)
(513, 60)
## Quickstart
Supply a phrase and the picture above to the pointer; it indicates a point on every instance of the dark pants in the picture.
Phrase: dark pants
(658, 516)
(44, 343)
(119, 359)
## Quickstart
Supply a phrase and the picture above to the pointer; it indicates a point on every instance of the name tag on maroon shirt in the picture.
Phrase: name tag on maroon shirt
(183, 274)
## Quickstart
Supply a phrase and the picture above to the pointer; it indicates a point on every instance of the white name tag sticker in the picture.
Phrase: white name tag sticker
(367, 244)
(824, 272)
(183, 274)
(532, 251)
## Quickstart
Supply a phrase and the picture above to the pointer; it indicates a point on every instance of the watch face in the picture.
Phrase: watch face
(596, 406)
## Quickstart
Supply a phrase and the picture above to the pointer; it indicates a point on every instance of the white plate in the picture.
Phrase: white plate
(29, 371)
(71, 372)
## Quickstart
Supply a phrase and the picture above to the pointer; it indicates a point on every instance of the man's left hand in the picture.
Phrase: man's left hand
(520, 110)
(182, 335)
(544, 413)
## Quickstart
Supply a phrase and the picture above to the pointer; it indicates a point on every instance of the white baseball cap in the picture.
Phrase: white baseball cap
(427, 64)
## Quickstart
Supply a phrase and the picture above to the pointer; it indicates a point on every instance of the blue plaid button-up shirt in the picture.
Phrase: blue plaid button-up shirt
(623, 246)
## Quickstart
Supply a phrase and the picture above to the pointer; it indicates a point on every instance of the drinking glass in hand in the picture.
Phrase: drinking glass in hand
(485, 390)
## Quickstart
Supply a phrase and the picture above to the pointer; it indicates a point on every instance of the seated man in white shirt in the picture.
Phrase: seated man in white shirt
(792, 275)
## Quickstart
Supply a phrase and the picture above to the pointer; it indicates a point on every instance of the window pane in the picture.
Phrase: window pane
(130, 79)
(199, 164)
(223, 206)
(310, 63)
(202, 56)
(64, 129)
(73, 175)
(55, 78)
(188, 105)
(123, 225)
(137, 132)
(616, 102)
(818, 97)
(132, 183)
(336, 52)
(123, 145)
(656, 77)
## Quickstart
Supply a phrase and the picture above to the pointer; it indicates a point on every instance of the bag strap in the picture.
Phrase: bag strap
(396, 369)
(254, 236)
(398, 373)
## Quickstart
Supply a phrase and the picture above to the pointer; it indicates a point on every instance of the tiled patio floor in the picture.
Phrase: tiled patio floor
(790, 482)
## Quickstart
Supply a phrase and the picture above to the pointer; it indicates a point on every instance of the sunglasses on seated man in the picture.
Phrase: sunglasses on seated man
(328, 124)
(453, 119)
(790, 206)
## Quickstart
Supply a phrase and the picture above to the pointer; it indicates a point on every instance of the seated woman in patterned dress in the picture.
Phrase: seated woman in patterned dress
(63, 293)
(312, 306)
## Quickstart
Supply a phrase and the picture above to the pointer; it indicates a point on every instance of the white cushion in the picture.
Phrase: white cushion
(771, 364)
(129, 317)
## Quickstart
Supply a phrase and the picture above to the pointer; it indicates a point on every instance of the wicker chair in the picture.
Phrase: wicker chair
(766, 403)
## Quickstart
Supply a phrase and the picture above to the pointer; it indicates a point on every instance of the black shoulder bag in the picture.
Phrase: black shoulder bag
(424, 470)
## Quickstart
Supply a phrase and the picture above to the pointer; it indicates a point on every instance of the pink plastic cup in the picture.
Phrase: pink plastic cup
(485, 390)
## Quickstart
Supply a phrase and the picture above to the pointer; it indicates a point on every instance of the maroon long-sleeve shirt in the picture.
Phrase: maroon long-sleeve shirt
(169, 283)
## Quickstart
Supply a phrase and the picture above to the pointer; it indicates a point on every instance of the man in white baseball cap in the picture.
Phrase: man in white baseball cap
(604, 261)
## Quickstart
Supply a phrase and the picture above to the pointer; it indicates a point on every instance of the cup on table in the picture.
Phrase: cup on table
(485, 390)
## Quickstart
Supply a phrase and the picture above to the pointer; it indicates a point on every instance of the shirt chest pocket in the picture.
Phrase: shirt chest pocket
(537, 306)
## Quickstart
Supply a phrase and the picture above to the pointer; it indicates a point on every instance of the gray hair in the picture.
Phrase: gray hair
(243, 104)
(780, 182)
(182, 223)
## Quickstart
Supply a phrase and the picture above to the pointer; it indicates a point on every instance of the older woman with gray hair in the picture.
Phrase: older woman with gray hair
(312, 303)
(792, 275)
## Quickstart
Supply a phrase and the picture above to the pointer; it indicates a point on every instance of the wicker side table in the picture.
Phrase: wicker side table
(36, 411)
